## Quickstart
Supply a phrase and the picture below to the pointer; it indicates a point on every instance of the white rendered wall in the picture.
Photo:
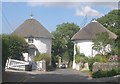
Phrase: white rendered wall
(25, 55)
(42, 44)
(85, 47)
(74, 64)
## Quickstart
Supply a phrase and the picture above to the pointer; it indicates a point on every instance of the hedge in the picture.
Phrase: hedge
(100, 73)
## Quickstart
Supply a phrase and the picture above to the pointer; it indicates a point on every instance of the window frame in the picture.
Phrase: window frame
(30, 39)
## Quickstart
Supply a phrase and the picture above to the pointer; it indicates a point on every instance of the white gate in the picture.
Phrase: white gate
(16, 64)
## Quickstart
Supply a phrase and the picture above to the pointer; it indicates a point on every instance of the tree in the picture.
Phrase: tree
(100, 42)
(42, 56)
(111, 21)
(62, 44)
(13, 47)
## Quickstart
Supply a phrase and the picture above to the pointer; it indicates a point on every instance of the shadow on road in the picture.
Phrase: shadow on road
(8, 76)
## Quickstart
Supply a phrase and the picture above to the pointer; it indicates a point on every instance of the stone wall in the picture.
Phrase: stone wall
(104, 66)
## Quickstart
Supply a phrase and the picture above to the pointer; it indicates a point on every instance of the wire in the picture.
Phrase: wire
(10, 27)
(84, 21)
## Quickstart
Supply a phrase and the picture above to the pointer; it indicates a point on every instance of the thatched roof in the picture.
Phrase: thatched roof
(32, 27)
(89, 32)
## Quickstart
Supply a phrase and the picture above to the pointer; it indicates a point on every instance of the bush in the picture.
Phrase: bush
(80, 58)
(43, 56)
(100, 58)
(77, 58)
(100, 73)
(50, 68)
(90, 62)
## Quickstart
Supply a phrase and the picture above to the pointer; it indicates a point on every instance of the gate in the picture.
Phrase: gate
(16, 64)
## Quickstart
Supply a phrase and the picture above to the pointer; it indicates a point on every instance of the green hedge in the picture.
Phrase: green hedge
(100, 73)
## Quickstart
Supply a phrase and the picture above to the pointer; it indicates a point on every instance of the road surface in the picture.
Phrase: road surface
(59, 75)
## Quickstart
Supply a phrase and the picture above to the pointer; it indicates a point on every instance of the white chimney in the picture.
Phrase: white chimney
(94, 20)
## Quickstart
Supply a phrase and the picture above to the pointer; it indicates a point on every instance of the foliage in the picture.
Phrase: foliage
(66, 56)
(70, 64)
(90, 61)
(114, 58)
(77, 58)
(50, 68)
(42, 56)
(80, 58)
(100, 42)
(97, 58)
(13, 47)
(100, 58)
(111, 22)
(62, 44)
(100, 73)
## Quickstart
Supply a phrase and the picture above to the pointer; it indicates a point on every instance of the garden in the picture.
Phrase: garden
(100, 66)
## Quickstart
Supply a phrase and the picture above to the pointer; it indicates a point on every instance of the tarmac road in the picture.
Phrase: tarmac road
(59, 75)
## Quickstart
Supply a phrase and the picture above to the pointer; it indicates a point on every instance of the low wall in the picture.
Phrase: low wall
(105, 66)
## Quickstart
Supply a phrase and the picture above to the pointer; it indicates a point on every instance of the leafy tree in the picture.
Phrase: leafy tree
(111, 21)
(62, 44)
(100, 42)
(42, 56)
(13, 47)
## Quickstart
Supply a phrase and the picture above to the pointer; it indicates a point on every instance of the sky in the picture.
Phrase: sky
(52, 13)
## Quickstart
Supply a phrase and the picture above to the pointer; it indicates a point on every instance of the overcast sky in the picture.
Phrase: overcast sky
(52, 12)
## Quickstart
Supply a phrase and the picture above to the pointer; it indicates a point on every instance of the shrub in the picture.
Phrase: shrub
(50, 68)
(80, 58)
(90, 62)
(43, 56)
(100, 58)
(100, 73)
(77, 58)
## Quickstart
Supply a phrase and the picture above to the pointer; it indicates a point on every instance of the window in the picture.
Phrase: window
(30, 39)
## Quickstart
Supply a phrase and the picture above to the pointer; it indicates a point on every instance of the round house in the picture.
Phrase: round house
(83, 38)
(37, 36)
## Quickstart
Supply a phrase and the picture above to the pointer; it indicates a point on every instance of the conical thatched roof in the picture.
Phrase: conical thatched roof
(89, 32)
(32, 27)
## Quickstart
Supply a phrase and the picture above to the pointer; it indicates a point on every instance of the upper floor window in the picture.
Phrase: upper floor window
(30, 39)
